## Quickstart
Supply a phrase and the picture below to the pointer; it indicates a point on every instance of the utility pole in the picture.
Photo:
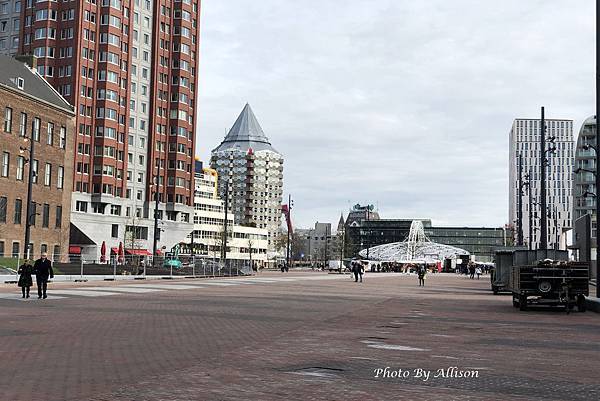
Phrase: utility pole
(224, 241)
(543, 162)
(520, 203)
(29, 190)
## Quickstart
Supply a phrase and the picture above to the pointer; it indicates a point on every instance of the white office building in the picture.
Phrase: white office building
(525, 141)
(243, 243)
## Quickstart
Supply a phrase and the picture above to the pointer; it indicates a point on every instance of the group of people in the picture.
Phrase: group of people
(474, 270)
(358, 270)
(42, 269)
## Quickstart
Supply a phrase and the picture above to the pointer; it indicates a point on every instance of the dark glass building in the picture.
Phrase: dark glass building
(478, 241)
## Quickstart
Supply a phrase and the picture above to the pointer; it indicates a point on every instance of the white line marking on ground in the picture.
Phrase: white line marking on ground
(19, 297)
(83, 293)
(444, 356)
(164, 286)
(380, 345)
(124, 289)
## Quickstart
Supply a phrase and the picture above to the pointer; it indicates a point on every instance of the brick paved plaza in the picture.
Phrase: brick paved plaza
(305, 336)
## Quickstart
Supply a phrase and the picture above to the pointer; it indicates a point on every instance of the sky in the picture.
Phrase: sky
(403, 104)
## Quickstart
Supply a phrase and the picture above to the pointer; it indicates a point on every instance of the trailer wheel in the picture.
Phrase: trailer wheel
(495, 289)
(522, 302)
(581, 303)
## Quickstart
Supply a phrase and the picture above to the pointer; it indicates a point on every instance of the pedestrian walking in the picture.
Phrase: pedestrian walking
(42, 269)
(478, 272)
(355, 270)
(472, 271)
(25, 280)
(421, 274)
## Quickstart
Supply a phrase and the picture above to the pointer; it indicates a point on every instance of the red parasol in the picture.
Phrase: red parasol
(103, 252)
(120, 254)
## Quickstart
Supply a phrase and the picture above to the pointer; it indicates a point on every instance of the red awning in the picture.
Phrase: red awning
(142, 252)
(74, 250)
(114, 250)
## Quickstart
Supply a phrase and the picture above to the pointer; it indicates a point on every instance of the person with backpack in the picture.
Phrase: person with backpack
(478, 272)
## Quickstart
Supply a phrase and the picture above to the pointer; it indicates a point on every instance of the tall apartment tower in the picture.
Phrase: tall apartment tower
(584, 184)
(129, 68)
(525, 141)
(251, 172)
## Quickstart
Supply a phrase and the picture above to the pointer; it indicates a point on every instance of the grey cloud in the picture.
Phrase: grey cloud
(404, 103)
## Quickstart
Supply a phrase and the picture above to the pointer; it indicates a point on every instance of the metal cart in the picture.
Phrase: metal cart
(554, 283)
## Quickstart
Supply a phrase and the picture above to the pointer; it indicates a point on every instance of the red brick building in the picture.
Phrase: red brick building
(32, 109)
(129, 68)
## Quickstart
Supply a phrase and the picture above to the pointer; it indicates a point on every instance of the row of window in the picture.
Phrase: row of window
(20, 171)
(19, 212)
(36, 124)
(16, 249)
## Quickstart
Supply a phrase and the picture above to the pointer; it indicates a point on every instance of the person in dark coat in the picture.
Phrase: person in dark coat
(355, 269)
(25, 280)
(43, 270)
(421, 274)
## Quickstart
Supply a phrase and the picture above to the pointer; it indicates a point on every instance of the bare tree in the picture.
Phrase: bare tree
(250, 245)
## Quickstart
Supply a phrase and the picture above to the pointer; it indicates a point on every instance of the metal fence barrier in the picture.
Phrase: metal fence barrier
(134, 265)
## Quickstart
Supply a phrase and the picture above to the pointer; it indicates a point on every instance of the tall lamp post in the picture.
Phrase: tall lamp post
(289, 256)
(544, 163)
(543, 227)
(28, 210)
(156, 228)
(520, 203)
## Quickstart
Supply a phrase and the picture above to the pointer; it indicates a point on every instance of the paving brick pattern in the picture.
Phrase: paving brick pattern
(308, 339)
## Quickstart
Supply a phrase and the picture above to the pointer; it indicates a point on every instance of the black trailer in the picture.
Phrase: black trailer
(508, 257)
(553, 283)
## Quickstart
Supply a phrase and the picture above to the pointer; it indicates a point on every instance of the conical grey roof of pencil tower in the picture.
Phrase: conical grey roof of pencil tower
(246, 134)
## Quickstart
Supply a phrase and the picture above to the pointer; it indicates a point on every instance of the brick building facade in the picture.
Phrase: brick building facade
(130, 69)
(31, 109)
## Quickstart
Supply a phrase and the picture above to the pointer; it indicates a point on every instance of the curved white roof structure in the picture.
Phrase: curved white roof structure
(416, 247)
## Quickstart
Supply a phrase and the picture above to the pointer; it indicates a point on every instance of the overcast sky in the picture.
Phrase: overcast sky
(405, 104)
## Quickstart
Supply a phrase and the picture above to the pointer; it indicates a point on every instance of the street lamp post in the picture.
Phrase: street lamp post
(28, 210)
(156, 228)
(520, 203)
(543, 227)
(225, 223)
(288, 255)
